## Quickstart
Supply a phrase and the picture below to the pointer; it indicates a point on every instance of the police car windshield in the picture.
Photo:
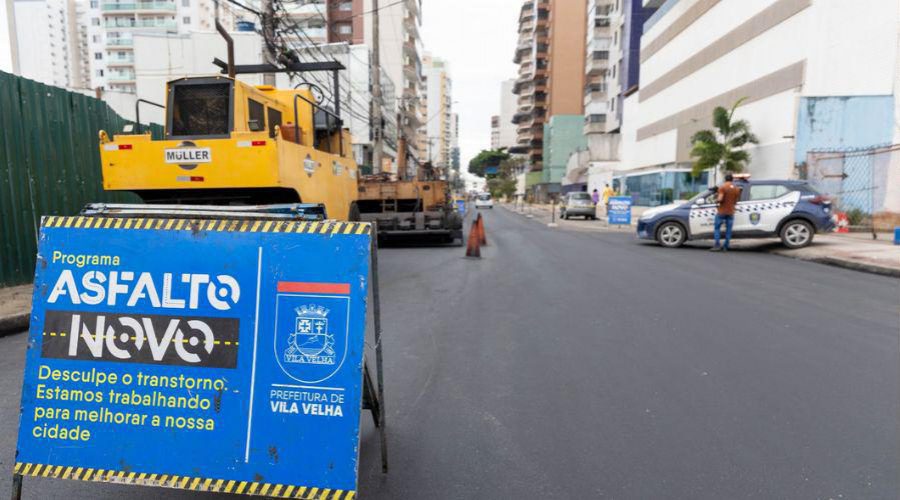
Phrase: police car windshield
(484, 197)
(702, 194)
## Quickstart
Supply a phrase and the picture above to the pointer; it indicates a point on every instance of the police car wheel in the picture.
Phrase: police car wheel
(670, 235)
(797, 234)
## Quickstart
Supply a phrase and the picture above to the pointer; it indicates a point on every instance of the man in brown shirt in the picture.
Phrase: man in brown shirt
(727, 197)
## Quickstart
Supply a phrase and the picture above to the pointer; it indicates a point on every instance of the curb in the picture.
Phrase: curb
(13, 323)
(848, 264)
(859, 266)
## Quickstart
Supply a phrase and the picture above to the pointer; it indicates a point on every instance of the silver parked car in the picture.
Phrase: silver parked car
(578, 204)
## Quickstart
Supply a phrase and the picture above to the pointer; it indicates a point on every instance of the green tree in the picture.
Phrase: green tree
(486, 158)
(503, 185)
(722, 148)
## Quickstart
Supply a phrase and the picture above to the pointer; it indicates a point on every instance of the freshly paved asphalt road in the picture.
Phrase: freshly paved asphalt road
(589, 365)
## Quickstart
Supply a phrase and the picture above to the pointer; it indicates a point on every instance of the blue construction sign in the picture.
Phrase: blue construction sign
(619, 210)
(209, 355)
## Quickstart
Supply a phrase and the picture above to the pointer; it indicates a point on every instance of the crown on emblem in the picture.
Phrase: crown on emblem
(311, 311)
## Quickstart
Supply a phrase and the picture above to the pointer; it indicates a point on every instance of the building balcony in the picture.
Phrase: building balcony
(113, 8)
(304, 11)
(409, 45)
(597, 63)
(120, 43)
(120, 77)
(120, 61)
(140, 23)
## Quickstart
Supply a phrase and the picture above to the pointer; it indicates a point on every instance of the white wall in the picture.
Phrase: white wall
(508, 106)
(849, 50)
(160, 58)
(43, 40)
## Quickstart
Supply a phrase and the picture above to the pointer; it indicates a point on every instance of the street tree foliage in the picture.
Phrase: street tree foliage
(486, 158)
(723, 146)
(503, 185)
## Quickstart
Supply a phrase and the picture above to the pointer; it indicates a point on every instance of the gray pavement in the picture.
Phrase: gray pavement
(570, 364)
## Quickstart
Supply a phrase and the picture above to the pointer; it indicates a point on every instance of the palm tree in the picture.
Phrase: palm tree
(722, 147)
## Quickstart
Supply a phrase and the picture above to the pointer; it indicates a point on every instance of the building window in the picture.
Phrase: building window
(96, 38)
(601, 55)
(346, 6)
(257, 116)
(185, 3)
(95, 21)
(274, 117)
(345, 29)
(99, 72)
(661, 188)
(186, 20)
(94, 4)
(98, 56)
(601, 118)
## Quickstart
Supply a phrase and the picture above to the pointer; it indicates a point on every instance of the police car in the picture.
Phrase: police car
(790, 210)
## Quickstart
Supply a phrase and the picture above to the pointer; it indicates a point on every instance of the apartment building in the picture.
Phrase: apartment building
(530, 87)
(612, 67)
(308, 21)
(506, 129)
(439, 111)
(345, 21)
(812, 75)
(44, 41)
(112, 24)
(563, 128)
(401, 58)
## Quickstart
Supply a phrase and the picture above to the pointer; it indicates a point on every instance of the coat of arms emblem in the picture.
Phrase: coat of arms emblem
(310, 342)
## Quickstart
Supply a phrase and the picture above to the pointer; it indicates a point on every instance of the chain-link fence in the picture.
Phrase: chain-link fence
(858, 182)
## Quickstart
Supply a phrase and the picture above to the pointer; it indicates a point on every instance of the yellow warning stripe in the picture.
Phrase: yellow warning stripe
(227, 225)
(271, 490)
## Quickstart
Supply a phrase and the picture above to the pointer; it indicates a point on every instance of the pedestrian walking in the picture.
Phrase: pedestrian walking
(727, 197)
(595, 197)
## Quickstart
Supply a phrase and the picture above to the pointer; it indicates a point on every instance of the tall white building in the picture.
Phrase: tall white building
(506, 129)
(812, 76)
(401, 57)
(43, 40)
(112, 24)
(439, 111)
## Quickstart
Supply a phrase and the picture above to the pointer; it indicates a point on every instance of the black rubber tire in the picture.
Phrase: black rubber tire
(796, 233)
(671, 229)
(353, 215)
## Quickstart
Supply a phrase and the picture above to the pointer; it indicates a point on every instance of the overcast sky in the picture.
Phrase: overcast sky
(478, 39)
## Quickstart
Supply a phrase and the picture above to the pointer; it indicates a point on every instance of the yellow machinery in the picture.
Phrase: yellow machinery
(227, 142)
(414, 208)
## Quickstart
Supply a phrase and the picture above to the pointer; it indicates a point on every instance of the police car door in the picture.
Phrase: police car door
(703, 214)
(764, 207)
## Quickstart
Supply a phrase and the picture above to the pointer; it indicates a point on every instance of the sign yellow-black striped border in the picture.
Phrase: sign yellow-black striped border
(182, 482)
(251, 226)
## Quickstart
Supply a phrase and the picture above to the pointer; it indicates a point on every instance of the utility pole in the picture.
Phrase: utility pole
(268, 29)
(376, 93)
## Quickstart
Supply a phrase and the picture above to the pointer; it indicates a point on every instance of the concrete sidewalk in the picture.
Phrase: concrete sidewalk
(853, 251)
(15, 307)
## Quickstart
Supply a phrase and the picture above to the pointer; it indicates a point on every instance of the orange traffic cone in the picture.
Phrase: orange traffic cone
(482, 239)
(472, 248)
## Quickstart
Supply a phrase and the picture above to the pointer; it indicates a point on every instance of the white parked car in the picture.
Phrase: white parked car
(484, 200)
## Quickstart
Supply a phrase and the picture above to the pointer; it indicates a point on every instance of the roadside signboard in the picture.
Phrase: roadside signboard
(213, 355)
(619, 210)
